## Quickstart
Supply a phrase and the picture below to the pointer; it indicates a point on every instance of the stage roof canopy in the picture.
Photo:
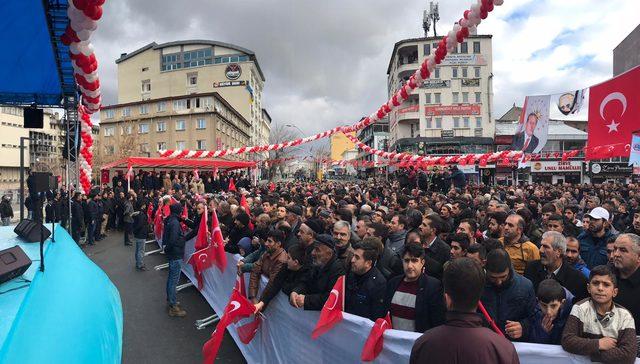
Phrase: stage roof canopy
(177, 163)
(35, 67)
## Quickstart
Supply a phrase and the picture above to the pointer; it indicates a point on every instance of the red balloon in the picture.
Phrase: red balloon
(80, 4)
(483, 14)
(459, 37)
(465, 32)
(386, 108)
(93, 12)
(403, 93)
(394, 100)
(490, 7)
(466, 14)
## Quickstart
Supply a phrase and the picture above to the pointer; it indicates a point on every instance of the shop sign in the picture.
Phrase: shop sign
(446, 133)
(436, 84)
(471, 109)
(556, 166)
(229, 83)
(467, 169)
(611, 168)
(412, 108)
(233, 71)
(464, 60)
(471, 82)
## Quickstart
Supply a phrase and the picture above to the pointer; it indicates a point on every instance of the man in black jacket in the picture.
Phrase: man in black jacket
(365, 285)
(92, 218)
(437, 252)
(140, 233)
(77, 217)
(551, 265)
(313, 290)
(414, 299)
(173, 240)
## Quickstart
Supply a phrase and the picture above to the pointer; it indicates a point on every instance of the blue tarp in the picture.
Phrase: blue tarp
(71, 313)
(30, 72)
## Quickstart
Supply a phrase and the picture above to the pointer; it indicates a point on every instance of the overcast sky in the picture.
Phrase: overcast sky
(325, 62)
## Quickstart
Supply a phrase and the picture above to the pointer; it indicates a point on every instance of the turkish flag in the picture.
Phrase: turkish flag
(158, 224)
(245, 205)
(201, 260)
(202, 239)
(272, 187)
(232, 185)
(237, 308)
(249, 330)
(614, 114)
(331, 312)
(240, 286)
(150, 212)
(217, 243)
(373, 345)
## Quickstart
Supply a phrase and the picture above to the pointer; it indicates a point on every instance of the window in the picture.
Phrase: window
(109, 131)
(465, 97)
(180, 105)
(126, 130)
(427, 49)
(429, 125)
(465, 121)
(201, 144)
(476, 72)
(436, 73)
(464, 72)
(464, 48)
(109, 114)
(454, 72)
(427, 98)
(162, 106)
(437, 97)
(180, 125)
(456, 122)
(192, 79)
(478, 97)
(144, 109)
(456, 97)
(161, 126)
(438, 123)
(109, 149)
(180, 145)
(146, 86)
(143, 128)
(476, 47)
(478, 122)
(126, 111)
(201, 124)
(162, 146)
(144, 147)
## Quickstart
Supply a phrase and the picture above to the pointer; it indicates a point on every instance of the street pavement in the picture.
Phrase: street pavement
(150, 335)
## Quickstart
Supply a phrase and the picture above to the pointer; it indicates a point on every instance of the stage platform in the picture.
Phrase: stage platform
(71, 313)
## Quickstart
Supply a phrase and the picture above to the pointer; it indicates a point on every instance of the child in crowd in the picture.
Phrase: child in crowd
(599, 328)
(552, 311)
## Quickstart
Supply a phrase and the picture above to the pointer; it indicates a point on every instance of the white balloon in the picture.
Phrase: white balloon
(456, 28)
(475, 8)
(464, 23)
(451, 48)
(451, 37)
(84, 35)
(73, 48)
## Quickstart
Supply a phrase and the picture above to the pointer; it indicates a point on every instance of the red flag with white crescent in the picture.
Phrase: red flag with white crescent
(248, 331)
(217, 243)
(331, 312)
(375, 342)
(613, 116)
(201, 260)
(202, 239)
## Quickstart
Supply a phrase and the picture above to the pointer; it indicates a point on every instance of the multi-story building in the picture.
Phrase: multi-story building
(339, 143)
(376, 136)
(43, 150)
(451, 112)
(625, 54)
(203, 121)
(210, 90)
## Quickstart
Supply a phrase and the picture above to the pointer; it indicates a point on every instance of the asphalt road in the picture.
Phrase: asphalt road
(150, 335)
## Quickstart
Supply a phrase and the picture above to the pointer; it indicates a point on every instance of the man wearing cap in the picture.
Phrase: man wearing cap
(593, 241)
(294, 212)
(313, 290)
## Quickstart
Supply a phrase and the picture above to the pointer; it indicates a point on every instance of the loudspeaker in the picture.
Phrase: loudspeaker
(42, 182)
(28, 230)
(13, 262)
(33, 118)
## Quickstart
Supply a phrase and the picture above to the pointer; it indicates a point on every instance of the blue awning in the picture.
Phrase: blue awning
(35, 66)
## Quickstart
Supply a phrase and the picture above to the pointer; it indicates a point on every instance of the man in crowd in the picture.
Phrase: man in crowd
(173, 240)
(495, 223)
(435, 248)
(519, 248)
(626, 260)
(342, 235)
(269, 264)
(397, 233)
(365, 285)
(593, 241)
(573, 258)
(459, 245)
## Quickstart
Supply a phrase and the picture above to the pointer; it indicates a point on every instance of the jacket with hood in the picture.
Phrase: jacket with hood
(515, 300)
(173, 237)
(538, 335)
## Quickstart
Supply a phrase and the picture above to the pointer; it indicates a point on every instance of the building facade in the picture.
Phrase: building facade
(339, 143)
(197, 122)
(625, 54)
(43, 150)
(376, 136)
(451, 112)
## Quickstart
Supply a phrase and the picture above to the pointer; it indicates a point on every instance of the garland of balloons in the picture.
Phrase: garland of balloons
(458, 34)
(83, 21)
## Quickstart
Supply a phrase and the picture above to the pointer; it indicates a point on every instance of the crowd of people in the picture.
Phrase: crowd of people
(551, 264)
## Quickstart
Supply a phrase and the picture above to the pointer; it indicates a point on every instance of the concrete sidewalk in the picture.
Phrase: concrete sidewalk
(150, 335)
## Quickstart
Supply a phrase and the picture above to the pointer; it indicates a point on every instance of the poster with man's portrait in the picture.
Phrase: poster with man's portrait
(533, 127)
(569, 103)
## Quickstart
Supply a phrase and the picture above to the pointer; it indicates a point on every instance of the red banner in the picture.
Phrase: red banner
(473, 109)
(412, 108)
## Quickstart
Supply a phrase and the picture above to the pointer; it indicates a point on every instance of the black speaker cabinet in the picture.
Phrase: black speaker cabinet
(33, 118)
(42, 182)
(13, 262)
(28, 230)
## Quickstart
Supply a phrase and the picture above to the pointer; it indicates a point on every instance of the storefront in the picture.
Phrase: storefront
(471, 172)
(556, 172)
(601, 172)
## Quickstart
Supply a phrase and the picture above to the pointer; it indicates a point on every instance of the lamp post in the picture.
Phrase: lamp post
(295, 127)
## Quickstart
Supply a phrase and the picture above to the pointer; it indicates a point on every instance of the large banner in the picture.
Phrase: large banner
(285, 334)
(533, 128)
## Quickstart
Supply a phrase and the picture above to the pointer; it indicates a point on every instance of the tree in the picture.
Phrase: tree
(123, 144)
(281, 133)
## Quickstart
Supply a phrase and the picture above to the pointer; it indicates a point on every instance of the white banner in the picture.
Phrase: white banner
(285, 335)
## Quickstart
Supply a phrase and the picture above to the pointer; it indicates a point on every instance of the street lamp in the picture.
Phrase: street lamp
(294, 126)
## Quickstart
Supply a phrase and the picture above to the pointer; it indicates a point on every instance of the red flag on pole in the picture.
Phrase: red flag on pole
(232, 185)
(237, 308)
(373, 345)
(185, 215)
(249, 330)
(245, 205)
(331, 312)
(150, 212)
(613, 115)
(201, 260)
(202, 239)
(217, 242)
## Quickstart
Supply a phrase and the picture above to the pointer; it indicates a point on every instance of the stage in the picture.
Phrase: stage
(71, 313)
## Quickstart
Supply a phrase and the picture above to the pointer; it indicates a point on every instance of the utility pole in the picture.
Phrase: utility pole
(22, 139)
(430, 16)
